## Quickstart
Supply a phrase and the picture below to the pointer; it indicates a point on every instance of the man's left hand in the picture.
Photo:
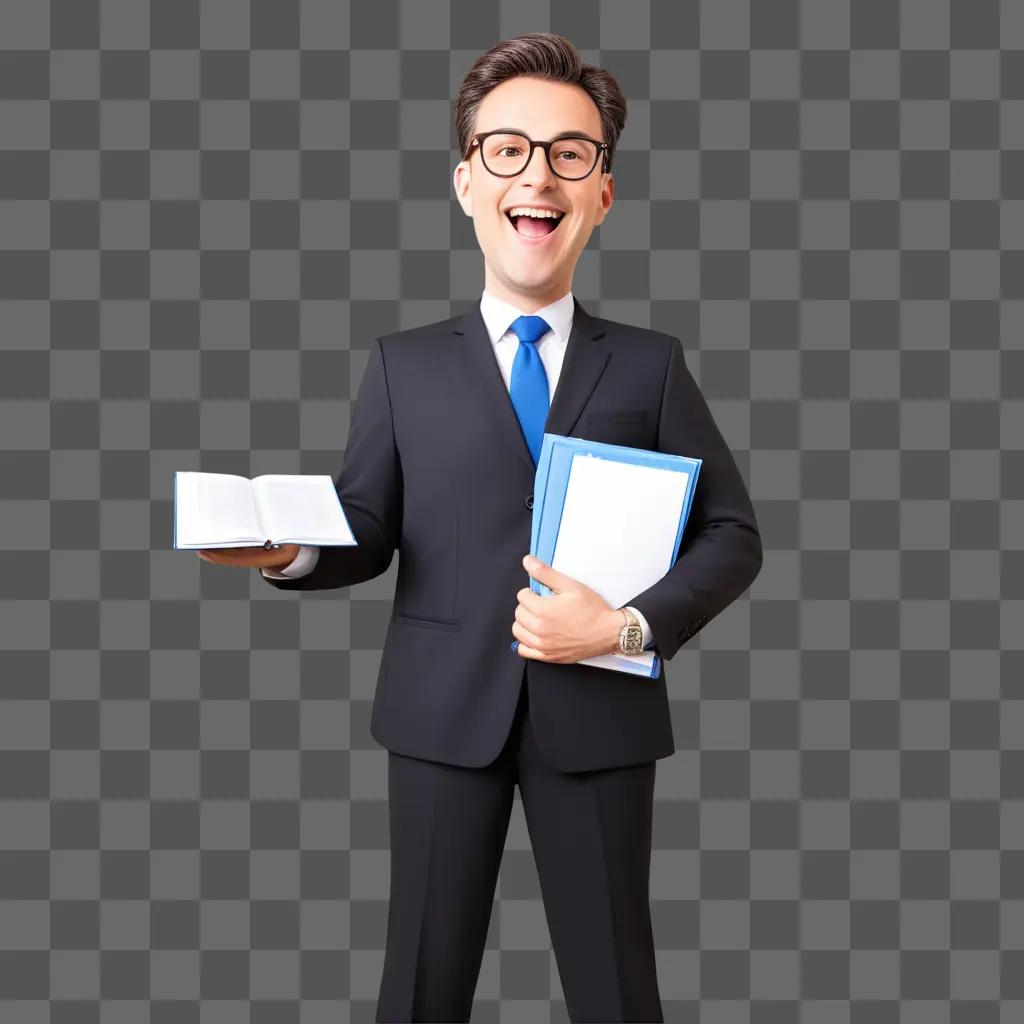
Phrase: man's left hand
(570, 624)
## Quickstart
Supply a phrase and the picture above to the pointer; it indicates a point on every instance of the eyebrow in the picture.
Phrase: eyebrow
(574, 132)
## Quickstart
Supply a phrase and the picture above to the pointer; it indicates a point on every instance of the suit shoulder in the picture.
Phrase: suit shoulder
(632, 334)
(398, 340)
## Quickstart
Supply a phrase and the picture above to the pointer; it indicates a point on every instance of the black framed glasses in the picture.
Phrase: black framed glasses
(506, 154)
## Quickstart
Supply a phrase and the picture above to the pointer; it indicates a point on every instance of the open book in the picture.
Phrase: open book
(221, 510)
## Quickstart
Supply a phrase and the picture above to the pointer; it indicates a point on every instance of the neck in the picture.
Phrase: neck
(528, 301)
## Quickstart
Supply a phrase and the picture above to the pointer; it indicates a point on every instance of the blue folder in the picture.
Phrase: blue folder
(550, 486)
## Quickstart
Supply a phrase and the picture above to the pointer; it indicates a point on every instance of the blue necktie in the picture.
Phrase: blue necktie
(528, 387)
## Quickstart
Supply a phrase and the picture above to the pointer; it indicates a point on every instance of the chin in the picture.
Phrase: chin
(528, 282)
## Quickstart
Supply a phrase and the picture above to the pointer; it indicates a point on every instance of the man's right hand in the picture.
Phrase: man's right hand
(251, 557)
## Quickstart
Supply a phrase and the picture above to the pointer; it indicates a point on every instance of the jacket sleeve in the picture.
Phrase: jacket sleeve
(720, 553)
(369, 488)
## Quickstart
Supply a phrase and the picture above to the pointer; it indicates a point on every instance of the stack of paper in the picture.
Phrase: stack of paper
(612, 517)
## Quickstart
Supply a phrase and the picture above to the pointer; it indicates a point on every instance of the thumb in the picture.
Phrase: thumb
(546, 574)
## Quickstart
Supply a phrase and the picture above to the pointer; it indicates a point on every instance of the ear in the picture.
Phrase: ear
(460, 180)
(607, 194)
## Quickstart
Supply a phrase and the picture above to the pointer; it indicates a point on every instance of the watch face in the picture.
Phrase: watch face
(632, 642)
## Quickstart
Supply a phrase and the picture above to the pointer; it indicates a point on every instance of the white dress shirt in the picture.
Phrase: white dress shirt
(498, 317)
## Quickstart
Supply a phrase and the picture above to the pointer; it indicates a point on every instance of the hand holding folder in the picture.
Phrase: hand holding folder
(612, 517)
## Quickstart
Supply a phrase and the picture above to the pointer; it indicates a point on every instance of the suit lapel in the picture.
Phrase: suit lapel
(584, 362)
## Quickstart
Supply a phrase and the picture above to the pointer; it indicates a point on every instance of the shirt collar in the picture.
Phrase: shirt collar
(499, 315)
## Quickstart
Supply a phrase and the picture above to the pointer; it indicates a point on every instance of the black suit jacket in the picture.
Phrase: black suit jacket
(436, 466)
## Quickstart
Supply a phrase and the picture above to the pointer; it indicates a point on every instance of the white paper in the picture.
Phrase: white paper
(301, 509)
(215, 505)
(617, 532)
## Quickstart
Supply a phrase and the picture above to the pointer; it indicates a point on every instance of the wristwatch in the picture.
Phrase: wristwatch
(631, 636)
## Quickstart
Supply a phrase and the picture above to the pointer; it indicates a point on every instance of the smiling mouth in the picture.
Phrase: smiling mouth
(537, 228)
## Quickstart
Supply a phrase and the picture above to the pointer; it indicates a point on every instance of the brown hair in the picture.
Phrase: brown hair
(539, 55)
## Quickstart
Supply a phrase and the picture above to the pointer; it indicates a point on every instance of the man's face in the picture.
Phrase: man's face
(530, 272)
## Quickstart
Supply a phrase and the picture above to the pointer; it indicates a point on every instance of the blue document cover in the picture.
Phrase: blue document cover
(551, 486)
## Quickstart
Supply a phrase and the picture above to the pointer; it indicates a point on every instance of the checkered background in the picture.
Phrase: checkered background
(208, 210)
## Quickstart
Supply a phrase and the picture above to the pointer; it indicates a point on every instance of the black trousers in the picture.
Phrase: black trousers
(591, 838)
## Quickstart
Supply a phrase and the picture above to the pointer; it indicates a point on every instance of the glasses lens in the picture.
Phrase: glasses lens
(508, 153)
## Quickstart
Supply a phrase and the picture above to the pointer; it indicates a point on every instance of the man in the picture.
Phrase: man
(440, 465)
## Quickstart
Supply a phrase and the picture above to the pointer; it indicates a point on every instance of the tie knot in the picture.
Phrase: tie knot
(529, 328)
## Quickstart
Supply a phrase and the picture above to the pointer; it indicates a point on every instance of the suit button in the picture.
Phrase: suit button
(529, 500)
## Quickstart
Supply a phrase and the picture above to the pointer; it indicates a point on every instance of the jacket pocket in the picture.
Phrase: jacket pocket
(426, 620)
(618, 416)
(425, 591)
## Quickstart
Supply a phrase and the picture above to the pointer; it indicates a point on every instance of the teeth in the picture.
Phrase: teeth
(525, 211)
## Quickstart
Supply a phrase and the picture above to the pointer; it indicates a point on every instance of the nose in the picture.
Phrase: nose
(538, 160)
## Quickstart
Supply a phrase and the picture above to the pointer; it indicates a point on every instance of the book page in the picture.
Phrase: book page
(618, 525)
(215, 510)
(300, 509)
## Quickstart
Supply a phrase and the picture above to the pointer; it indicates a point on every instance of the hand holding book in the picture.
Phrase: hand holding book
(260, 523)
(251, 557)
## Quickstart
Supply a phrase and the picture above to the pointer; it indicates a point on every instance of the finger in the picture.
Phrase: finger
(532, 624)
(528, 599)
(220, 556)
(540, 597)
(527, 636)
(230, 556)
(546, 574)
(526, 651)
